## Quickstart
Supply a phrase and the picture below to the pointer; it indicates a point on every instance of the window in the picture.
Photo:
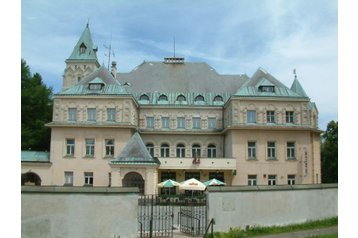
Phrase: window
(212, 123)
(291, 179)
(268, 89)
(150, 148)
(218, 98)
(272, 180)
(72, 114)
(150, 122)
(68, 178)
(111, 114)
(70, 147)
(196, 151)
(180, 151)
(211, 151)
(196, 123)
(88, 179)
(95, 86)
(164, 150)
(144, 97)
(252, 180)
(289, 117)
(251, 149)
(181, 98)
(251, 116)
(199, 98)
(91, 114)
(181, 122)
(271, 150)
(109, 145)
(89, 147)
(162, 98)
(82, 48)
(165, 122)
(270, 116)
(291, 150)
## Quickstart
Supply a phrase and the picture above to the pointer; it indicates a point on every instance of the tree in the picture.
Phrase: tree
(36, 111)
(329, 153)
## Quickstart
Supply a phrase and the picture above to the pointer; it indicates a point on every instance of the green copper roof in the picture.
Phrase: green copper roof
(84, 49)
(297, 88)
(253, 87)
(135, 152)
(100, 76)
(35, 156)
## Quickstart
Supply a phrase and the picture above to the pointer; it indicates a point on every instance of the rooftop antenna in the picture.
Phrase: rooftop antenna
(110, 52)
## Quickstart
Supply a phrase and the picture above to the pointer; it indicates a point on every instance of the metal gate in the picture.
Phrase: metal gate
(155, 217)
(193, 217)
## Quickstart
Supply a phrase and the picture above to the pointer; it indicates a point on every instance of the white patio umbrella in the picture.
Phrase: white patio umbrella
(214, 182)
(192, 184)
(168, 184)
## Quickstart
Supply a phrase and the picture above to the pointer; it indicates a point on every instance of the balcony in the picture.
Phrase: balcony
(202, 163)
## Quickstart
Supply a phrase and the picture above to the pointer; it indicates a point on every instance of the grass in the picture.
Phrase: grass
(260, 230)
(333, 235)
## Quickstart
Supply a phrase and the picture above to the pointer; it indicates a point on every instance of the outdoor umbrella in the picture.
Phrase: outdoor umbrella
(214, 182)
(168, 184)
(192, 184)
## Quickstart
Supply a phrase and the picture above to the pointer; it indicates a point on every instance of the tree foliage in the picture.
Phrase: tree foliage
(36, 111)
(329, 153)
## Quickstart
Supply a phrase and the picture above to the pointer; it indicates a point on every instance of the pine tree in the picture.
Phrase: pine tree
(329, 153)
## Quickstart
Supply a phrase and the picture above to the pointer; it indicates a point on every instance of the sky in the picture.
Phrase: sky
(234, 37)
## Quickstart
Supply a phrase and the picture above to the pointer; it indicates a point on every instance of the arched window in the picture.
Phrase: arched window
(218, 98)
(181, 98)
(150, 148)
(134, 179)
(144, 97)
(83, 48)
(196, 150)
(199, 98)
(212, 151)
(163, 98)
(180, 151)
(164, 150)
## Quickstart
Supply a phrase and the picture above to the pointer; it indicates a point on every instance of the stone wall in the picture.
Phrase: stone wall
(78, 212)
(239, 206)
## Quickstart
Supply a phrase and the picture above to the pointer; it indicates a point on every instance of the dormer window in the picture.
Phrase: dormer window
(144, 97)
(199, 98)
(218, 98)
(163, 98)
(83, 48)
(181, 98)
(267, 89)
(95, 86)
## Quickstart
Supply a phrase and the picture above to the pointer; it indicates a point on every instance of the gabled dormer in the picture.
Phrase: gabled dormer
(82, 61)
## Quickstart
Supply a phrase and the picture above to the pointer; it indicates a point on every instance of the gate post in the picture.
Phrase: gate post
(151, 218)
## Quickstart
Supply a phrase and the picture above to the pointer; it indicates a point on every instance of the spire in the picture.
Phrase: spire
(296, 86)
(84, 49)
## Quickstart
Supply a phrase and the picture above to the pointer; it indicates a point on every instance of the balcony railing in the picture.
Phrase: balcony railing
(197, 163)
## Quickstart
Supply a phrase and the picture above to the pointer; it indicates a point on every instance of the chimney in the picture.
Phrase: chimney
(114, 68)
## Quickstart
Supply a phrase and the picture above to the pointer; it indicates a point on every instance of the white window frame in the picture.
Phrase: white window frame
(181, 122)
(111, 114)
(88, 178)
(196, 150)
(90, 147)
(290, 117)
(165, 122)
(291, 150)
(180, 151)
(150, 122)
(271, 150)
(212, 122)
(291, 179)
(270, 116)
(150, 148)
(251, 150)
(272, 180)
(68, 178)
(196, 122)
(91, 114)
(109, 147)
(211, 151)
(252, 180)
(164, 150)
(72, 114)
(70, 147)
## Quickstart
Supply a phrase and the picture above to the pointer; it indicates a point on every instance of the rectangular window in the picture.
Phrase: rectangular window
(109, 144)
(111, 114)
(251, 150)
(165, 122)
(181, 122)
(271, 150)
(164, 151)
(72, 114)
(251, 116)
(211, 151)
(291, 179)
(88, 179)
(89, 147)
(252, 180)
(270, 116)
(196, 123)
(289, 117)
(180, 151)
(150, 122)
(212, 123)
(272, 180)
(291, 151)
(68, 178)
(70, 147)
(91, 114)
